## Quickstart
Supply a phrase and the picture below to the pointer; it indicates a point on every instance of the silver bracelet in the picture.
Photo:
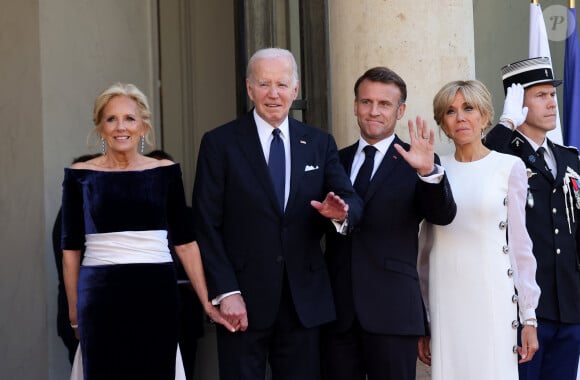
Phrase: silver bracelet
(74, 326)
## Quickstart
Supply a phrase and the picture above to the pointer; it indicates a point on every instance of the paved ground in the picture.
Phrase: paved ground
(206, 364)
(423, 371)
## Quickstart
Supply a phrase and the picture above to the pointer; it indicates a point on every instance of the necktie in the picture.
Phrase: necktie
(541, 151)
(277, 166)
(363, 178)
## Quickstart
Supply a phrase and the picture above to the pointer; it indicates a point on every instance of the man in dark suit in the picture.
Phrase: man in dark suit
(552, 213)
(380, 313)
(257, 193)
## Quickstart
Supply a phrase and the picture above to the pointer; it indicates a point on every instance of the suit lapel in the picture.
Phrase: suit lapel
(252, 149)
(524, 150)
(347, 157)
(300, 145)
(560, 164)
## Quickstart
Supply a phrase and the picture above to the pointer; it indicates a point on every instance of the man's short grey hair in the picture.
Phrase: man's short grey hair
(269, 53)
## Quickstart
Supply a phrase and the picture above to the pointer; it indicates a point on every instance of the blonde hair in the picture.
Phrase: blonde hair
(131, 91)
(475, 94)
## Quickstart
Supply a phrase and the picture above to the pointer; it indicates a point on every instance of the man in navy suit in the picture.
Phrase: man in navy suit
(552, 213)
(380, 313)
(266, 188)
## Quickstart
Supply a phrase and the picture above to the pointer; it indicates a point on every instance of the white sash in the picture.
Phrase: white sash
(128, 247)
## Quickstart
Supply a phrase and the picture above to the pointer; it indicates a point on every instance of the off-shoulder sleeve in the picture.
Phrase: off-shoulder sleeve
(73, 227)
(179, 215)
(522, 259)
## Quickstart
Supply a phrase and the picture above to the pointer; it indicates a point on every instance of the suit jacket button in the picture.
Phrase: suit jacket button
(515, 324)
(558, 251)
(515, 349)
(556, 231)
(510, 272)
(502, 225)
(506, 249)
(554, 211)
(515, 298)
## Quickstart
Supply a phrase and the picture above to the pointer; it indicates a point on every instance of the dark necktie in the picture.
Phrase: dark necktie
(277, 166)
(363, 178)
(541, 151)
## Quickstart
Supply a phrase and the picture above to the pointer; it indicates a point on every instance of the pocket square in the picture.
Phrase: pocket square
(310, 168)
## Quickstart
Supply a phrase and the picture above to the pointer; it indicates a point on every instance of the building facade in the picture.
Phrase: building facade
(189, 57)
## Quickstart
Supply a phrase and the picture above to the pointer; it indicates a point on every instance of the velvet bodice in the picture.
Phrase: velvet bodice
(114, 201)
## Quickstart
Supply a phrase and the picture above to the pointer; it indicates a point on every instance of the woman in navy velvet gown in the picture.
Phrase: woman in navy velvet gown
(123, 296)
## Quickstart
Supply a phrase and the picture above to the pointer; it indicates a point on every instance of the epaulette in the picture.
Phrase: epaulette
(571, 148)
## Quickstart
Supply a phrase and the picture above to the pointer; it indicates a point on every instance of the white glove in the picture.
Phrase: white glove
(513, 110)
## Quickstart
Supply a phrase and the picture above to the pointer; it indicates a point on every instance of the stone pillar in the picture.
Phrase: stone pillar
(412, 38)
(23, 320)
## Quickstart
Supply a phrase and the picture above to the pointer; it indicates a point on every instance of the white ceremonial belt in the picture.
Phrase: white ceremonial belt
(127, 247)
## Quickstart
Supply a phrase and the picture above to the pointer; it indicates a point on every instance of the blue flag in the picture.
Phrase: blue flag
(572, 83)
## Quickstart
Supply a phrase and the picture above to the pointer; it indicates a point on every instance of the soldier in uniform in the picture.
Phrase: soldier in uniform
(552, 213)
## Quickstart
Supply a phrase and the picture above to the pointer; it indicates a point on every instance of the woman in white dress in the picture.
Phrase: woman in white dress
(470, 267)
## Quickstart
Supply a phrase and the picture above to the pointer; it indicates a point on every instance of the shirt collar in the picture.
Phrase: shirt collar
(265, 129)
(535, 146)
(382, 146)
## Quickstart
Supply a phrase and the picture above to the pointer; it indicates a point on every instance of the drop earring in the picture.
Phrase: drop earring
(102, 145)
(142, 142)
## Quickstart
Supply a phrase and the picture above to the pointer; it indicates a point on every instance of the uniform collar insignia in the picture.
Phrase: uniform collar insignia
(517, 142)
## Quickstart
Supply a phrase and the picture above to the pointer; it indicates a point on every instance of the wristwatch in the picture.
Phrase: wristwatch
(530, 322)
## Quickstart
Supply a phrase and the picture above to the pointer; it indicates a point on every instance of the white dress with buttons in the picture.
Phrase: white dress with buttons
(469, 272)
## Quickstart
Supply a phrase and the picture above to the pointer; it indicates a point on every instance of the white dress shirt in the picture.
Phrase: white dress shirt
(548, 155)
(382, 148)
(265, 133)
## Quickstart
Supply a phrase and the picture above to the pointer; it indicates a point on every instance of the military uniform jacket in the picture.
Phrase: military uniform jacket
(553, 223)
